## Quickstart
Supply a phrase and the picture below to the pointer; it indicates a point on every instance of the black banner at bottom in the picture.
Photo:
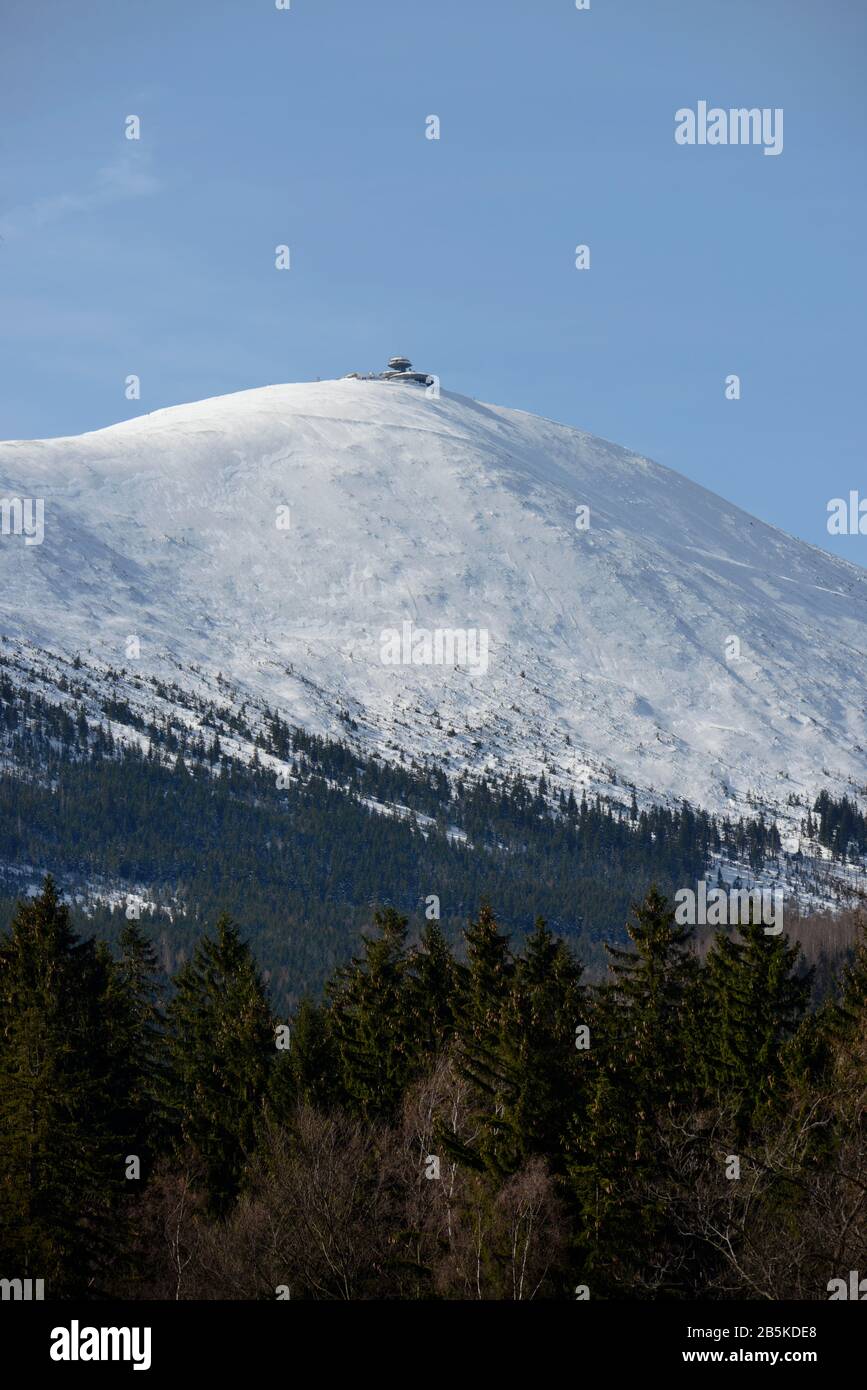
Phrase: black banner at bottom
(262, 1339)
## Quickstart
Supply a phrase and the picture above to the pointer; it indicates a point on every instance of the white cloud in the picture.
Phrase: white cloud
(124, 178)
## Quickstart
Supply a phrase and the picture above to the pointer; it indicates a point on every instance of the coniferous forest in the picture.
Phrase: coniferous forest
(191, 832)
(439, 1124)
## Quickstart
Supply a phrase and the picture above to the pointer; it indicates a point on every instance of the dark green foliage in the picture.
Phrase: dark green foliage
(299, 865)
(646, 1017)
(545, 1006)
(756, 997)
(308, 1074)
(139, 1063)
(640, 1074)
(482, 1054)
(61, 1141)
(221, 1043)
(370, 1016)
(433, 995)
(854, 1003)
(312, 1166)
(487, 981)
(841, 827)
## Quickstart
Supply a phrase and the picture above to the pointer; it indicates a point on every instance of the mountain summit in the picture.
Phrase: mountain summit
(315, 548)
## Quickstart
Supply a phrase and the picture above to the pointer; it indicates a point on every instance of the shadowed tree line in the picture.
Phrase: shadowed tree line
(199, 832)
(434, 1128)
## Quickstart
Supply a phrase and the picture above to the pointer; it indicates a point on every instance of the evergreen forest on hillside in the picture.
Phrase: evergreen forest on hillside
(482, 1125)
(300, 867)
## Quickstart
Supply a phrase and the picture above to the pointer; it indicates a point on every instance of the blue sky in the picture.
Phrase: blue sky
(307, 127)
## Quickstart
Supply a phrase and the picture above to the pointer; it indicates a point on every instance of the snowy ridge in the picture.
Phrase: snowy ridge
(607, 647)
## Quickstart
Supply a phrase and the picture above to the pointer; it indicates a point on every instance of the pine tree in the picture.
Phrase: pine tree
(434, 985)
(756, 999)
(137, 1045)
(221, 1043)
(370, 1015)
(61, 1161)
(646, 1010)
(640, 1062)
(488, 979)
(544, 1008)
(482, 1052)
(308, 1073)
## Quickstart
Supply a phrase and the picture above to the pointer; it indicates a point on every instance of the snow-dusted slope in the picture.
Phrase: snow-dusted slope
(607, 647)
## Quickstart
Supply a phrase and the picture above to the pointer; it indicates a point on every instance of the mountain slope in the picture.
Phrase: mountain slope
(607, 646)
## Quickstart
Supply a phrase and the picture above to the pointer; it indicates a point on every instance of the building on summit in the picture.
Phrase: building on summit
(398, 369)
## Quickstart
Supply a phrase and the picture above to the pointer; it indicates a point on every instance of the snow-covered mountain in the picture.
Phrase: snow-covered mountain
(611, 652)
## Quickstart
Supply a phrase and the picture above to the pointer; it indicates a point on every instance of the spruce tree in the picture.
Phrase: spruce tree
(137, 1045)
(434, 986)
(646, 1012)
(308, 1073)
(545, 1006)
(60, 1158)
(370, 1016)
(487, 982)
(640, 1063)
(221, 1041)
(757, 998)
(482, 1051)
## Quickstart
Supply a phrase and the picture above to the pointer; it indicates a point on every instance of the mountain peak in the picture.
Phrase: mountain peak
(636, 628)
